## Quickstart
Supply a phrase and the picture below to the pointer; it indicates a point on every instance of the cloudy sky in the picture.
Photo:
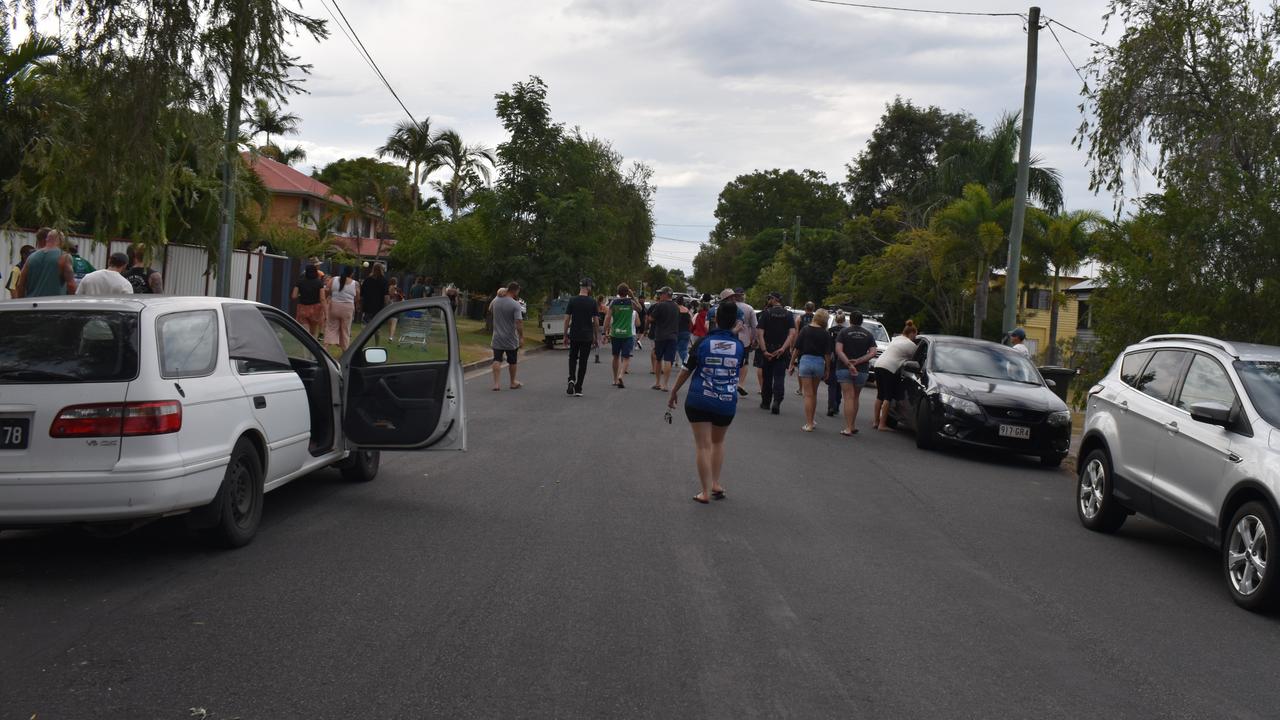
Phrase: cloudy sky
(701, 91)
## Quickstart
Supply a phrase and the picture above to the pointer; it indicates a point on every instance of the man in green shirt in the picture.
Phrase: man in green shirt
(619, 319)
(47, 271)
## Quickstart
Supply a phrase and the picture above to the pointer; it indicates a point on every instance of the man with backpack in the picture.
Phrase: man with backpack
(144, 279)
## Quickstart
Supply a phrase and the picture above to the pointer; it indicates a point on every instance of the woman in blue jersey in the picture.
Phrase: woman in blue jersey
(712, 400)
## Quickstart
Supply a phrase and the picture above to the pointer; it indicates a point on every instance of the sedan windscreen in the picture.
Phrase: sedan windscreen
(68, 346)
(1262, 382)
(992, 362)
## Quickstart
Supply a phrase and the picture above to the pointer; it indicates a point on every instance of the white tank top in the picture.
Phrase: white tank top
(345, 295)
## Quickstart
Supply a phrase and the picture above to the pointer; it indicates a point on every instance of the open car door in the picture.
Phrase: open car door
(402, 380)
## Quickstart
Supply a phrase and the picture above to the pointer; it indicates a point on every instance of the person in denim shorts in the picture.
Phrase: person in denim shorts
(855, 347)
(811, 361)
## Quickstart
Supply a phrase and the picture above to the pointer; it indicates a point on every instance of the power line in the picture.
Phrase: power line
(691, 242)
(1068, 28)
(1067, 56)
(355, 47)
(371, 61)
(868, 6)
(688, 226)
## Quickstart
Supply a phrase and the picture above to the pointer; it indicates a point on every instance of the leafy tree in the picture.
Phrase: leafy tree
(775, 276)
(990, 160)
(815, 254)
(469, 168)
(27, 97)
(293, 155)
(368, 183)
(413, 144)
(902, 154)
(713, 266)
(978, 223)
(1058, 242)
(768, 199)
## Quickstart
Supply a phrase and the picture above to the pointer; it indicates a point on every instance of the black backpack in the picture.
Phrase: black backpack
(139, 278)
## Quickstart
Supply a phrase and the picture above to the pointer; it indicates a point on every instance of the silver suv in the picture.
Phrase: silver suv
(1186, 429)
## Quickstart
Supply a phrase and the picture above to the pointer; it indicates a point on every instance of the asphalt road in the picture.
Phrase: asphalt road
(559, 569)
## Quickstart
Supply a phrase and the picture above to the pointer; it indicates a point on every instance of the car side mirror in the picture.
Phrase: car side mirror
(911, 366)
(1050, 383)
(1211, 413)
(375, 356)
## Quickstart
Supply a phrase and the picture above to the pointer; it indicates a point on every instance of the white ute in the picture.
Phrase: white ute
(123, 410)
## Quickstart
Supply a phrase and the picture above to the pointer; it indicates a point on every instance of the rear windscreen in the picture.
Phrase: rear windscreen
(68, 346)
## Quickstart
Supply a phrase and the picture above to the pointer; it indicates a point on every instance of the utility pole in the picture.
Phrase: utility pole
(1024, 167)
(235, 86)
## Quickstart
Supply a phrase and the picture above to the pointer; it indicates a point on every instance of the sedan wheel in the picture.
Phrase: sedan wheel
(237, 508)
(361, 466)
(1096, 507)
(1245, 556)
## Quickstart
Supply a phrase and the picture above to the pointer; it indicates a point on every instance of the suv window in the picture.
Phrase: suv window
(1206, 382)
(68, 346)
(1161, 373)
(188, 343)
(1132, 365)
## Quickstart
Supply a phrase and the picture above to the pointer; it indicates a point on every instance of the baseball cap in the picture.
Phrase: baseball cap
(775, 295)
(586, 282)
(739, 291)
(726, 293)
(664, 290)
(1019, 333)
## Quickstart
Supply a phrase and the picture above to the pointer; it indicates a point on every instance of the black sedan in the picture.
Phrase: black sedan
(974, 392)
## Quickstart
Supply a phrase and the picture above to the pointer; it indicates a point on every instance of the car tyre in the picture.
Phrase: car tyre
(1096, 505)
(238, 504)
(361, 466)
(925, 434)
(1245, 552)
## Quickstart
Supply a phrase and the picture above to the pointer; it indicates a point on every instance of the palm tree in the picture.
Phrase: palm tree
(413, 144)
(470, 166)
(268, 120)
(25, 97)
(978, 224)
(1059, 242)
(991, 161)
(295, 154)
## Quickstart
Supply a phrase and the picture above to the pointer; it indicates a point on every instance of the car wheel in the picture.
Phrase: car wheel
(1245, 554)
(1052, 460)
(1096, 506)
(925, 434)
(361, 466)
(238, 504)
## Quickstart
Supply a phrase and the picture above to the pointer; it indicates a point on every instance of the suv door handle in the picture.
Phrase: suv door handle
(259, 402)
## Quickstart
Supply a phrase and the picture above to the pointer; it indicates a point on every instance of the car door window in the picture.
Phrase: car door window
(1206, 382)
(188, 343)
(1159, 376)
(1132, 365)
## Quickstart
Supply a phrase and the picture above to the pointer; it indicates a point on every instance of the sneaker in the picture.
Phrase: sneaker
(742, 391)
(569, 390)
(577, 393)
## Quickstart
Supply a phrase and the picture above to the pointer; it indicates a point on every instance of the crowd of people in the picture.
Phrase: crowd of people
(54, 266)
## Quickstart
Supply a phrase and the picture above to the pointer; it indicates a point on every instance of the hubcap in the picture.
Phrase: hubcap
(1092, 482)
(1247, 555)
(241, 492)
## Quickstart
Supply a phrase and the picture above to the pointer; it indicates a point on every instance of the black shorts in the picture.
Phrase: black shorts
(697, 415)
(886, 384)
(758, 360)
(665, 350)
(511, 355)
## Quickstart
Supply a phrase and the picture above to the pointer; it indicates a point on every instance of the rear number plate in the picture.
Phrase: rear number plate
(1021, 432)
(14, 433)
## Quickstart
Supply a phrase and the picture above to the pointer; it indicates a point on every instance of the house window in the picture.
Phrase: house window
(1084, 317)
(1036, 299)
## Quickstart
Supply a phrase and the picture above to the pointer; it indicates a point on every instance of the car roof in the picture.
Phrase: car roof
(959, 340)
(1237, 350)
(133, 303)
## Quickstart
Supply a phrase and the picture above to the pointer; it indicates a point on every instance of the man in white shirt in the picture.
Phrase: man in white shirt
(1018, 341)
(109, 281)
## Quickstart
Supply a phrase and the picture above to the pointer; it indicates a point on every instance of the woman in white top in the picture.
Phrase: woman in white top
(900, 350)
(344, 294)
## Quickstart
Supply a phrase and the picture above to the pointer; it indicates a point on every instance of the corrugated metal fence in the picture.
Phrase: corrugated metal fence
(186, 269)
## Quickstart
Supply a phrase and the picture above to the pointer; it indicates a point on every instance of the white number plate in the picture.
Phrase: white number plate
(1021, 432)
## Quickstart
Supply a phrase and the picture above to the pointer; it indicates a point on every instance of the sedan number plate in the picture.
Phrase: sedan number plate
(14, 433)
(1021, 432)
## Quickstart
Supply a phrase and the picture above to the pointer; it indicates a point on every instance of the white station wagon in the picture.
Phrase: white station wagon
(123, 410)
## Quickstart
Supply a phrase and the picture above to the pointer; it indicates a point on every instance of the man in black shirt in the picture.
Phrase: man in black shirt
(664, 320)
(775, 335)
(854, 349)
(581, 333)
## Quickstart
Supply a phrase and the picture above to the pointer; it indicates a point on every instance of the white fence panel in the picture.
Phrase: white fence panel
(186, 271)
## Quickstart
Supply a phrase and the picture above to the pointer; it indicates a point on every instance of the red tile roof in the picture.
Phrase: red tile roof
(364, 247)
(283, 180)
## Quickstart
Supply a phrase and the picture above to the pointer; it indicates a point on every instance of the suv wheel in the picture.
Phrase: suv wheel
(1096, 506)
(1245, 554)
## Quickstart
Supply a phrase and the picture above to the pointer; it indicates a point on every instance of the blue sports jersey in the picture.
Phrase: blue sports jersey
(714, 364)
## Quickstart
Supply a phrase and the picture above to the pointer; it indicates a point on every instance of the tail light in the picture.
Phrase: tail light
(118, 419)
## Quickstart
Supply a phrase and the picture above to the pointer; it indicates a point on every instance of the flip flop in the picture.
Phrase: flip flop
(717, 494)
(807, 428)
(517, 386)
(495, 389)
(847, 433)
(697, 499)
